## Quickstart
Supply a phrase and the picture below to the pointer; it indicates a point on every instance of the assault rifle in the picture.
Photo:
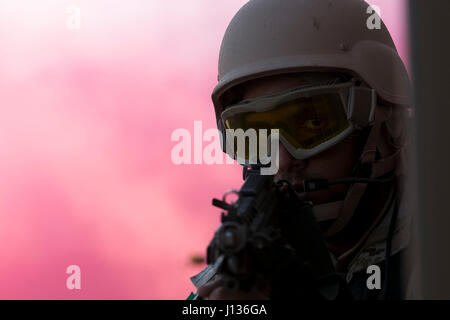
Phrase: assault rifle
(270, 238)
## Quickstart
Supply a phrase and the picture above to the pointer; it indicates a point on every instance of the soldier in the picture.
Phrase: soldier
(350, 121)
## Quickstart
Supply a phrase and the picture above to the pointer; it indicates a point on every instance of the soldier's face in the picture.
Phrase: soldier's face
(336, 162)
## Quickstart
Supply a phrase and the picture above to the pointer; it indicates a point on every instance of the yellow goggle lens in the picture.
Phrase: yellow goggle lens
(305, 122)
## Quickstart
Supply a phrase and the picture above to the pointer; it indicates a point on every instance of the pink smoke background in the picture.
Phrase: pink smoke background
(86, 116)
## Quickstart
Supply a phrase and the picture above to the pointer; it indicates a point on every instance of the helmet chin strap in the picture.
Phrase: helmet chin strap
(377, 142)
(330, 210)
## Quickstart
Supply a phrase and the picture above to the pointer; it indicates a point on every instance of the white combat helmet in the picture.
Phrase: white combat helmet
(268, 37)
(271, 37)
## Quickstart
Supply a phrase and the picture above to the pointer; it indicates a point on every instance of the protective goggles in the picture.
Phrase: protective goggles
(309, 119)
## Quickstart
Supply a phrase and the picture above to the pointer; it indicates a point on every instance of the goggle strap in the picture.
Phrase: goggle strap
(391, 155)
(361, 106)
